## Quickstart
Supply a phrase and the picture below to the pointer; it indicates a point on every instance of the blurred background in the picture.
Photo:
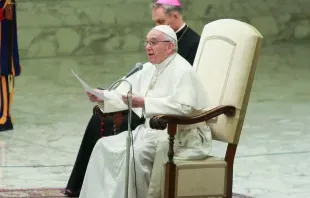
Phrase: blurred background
(102, 40)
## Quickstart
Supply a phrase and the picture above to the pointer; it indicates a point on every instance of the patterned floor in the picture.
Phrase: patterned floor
(50, 192)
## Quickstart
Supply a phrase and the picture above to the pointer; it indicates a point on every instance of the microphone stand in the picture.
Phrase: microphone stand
(118, 82)
(129, 136)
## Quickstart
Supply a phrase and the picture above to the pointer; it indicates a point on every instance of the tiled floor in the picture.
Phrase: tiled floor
(51, 113)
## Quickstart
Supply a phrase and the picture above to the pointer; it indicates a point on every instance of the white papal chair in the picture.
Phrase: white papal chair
(225, 62)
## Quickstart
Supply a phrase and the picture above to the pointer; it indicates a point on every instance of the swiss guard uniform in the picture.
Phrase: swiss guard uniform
(9, 61)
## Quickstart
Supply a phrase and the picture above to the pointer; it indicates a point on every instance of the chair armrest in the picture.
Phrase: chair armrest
(161, 122)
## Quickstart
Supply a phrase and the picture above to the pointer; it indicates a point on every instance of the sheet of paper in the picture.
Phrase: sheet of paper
(108, 95)
(91, 90)
(114, 95)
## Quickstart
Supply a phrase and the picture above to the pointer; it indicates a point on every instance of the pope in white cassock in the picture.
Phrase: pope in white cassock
(168, 84)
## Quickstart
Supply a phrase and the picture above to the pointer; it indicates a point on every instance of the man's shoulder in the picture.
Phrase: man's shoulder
(193, 34)
(182, 64)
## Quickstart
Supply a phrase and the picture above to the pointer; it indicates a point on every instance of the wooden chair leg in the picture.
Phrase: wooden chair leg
(229, 158)
(170, 168)
(170, 177)
(229, 184)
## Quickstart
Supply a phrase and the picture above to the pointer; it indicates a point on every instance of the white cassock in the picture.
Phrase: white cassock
(171, 87)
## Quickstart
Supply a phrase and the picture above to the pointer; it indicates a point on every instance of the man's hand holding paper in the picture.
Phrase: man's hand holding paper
(92, 97)
(97, 95)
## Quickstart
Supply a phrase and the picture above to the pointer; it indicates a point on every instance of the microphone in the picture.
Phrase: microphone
(138, 67)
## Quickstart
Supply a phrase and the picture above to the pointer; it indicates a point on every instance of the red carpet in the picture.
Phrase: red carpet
(49, 192)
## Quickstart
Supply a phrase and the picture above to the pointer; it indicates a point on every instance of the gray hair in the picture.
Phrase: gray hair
(168, 9)
(174, 42)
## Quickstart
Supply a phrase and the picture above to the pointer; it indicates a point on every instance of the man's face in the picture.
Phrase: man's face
(157, 47)
(161, 18)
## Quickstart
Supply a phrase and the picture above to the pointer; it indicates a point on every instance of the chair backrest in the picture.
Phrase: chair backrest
(226, 62)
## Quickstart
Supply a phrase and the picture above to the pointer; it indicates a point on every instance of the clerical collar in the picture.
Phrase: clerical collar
(180, 33)
(181, 28)
(166, 62)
